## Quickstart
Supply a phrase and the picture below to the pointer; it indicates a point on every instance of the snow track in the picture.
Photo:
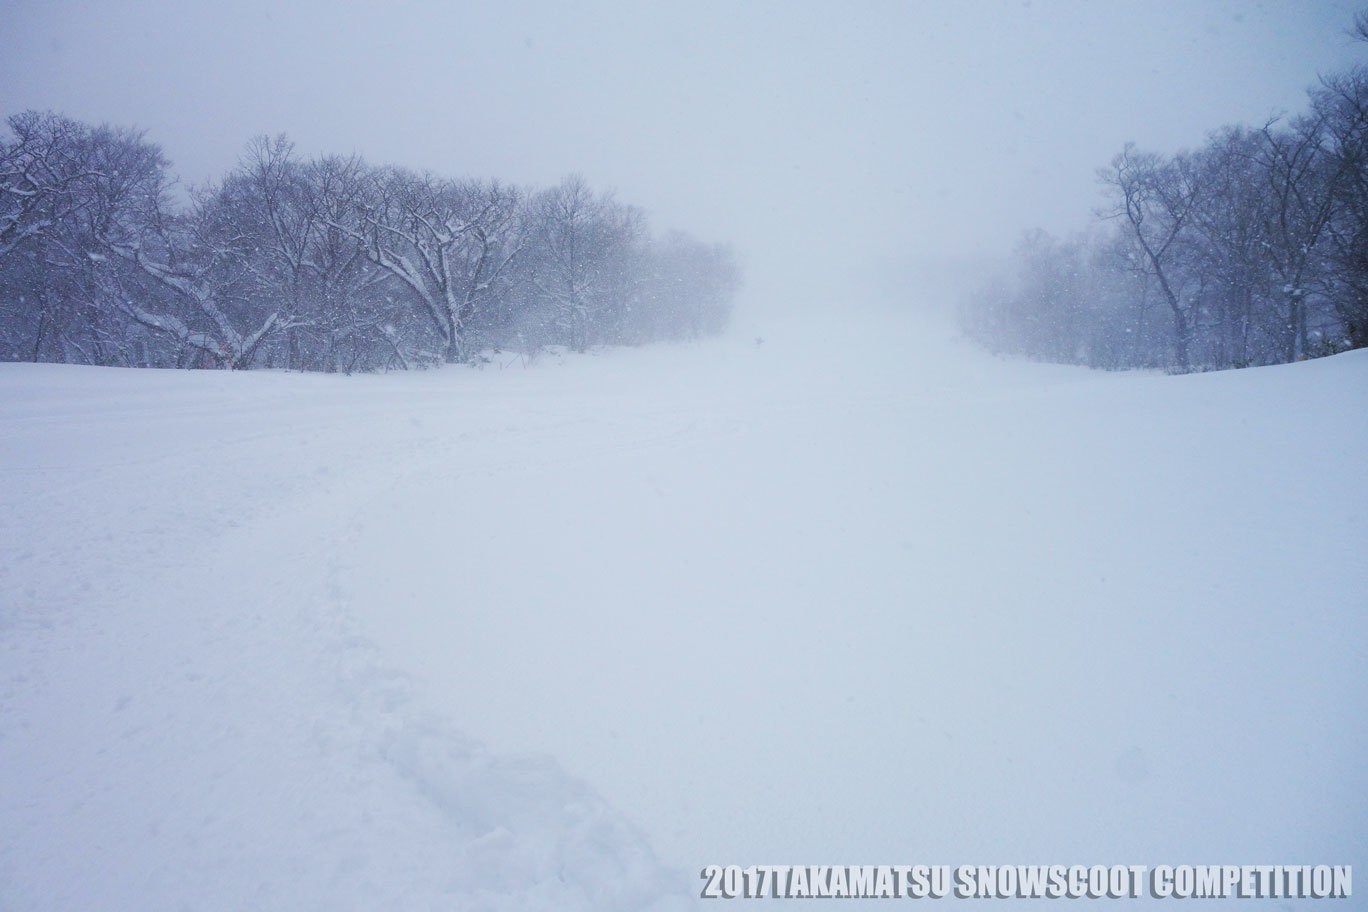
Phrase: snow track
(188, 717)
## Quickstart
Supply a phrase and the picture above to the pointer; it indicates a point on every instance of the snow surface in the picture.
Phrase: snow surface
(556, 637)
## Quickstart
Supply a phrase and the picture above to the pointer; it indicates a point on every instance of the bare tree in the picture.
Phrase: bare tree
(688, 289)
(1343, 104)
(297, 261)
(324, 264)
(1300, 204)
(449, 242)
(200, 263)
(65, 185)
(1156, 199)
(583, 243)
(1228, 232)
(41, 173)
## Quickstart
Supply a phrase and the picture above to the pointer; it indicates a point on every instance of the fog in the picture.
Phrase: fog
(461, 546)
(857, 148)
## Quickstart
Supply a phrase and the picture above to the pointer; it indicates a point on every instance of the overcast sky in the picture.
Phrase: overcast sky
(824, 139)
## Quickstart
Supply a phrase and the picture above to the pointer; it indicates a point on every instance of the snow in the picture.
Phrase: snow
(556, 636)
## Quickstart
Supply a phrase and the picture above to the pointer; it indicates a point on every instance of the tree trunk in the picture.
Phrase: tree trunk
(1182, 338)
(38, 341)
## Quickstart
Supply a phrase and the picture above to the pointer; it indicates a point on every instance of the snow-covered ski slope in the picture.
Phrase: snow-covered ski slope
(557, 636)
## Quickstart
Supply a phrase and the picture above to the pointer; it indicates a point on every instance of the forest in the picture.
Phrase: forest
(1250, 250)
(325, 264)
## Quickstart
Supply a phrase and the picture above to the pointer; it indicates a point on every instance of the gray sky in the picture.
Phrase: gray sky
(825, 140)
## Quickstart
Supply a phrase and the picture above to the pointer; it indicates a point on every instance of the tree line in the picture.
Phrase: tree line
(323, 264)
(1252, 249)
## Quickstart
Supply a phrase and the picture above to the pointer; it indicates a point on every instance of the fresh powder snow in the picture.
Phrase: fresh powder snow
(557, 634)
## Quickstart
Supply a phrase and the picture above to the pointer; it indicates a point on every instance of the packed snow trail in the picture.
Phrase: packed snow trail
(557, 637)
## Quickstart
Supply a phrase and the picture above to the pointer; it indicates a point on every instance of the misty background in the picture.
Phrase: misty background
(873, 149)
(557, 633)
